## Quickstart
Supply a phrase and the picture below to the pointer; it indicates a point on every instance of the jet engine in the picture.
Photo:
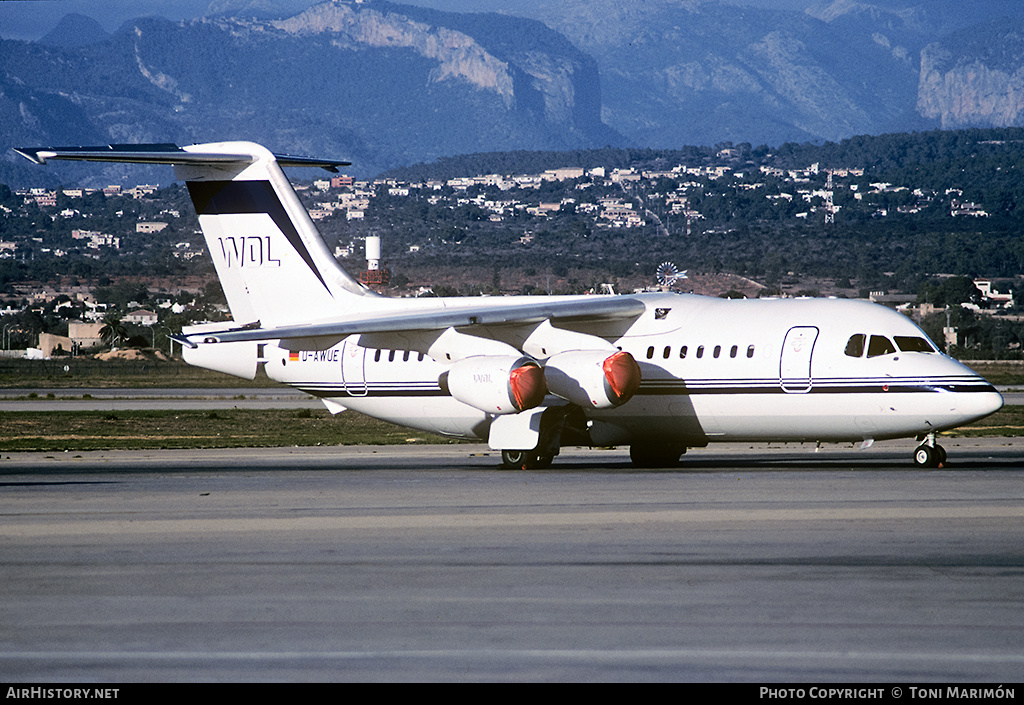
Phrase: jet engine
(496, 384)
(593, 379)
(238, 359)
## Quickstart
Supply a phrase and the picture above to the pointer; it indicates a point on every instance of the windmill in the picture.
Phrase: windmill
(668, 274)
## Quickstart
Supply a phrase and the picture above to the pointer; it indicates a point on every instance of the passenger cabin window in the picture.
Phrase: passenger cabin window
(716, 351)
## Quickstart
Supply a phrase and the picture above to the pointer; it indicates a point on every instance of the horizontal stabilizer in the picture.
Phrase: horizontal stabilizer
(161, 154)
(597, 307)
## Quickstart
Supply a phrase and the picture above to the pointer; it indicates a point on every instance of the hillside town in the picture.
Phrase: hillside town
(76, 314)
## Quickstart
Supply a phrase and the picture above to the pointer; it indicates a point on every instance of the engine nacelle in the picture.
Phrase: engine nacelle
(593, 379)
(496, 384)
(238, 359)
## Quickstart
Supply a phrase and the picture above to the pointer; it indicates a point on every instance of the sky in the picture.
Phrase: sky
(31, 19)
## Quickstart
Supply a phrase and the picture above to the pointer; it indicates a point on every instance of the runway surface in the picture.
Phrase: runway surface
(745, 563)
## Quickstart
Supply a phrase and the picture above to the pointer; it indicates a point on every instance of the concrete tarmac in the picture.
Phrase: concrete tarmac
(428, 563)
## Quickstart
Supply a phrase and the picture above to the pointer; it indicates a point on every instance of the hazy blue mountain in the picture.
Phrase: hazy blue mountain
(702, 71)
(387, 85)
(75, 30)
(377, 83)
(975, 76)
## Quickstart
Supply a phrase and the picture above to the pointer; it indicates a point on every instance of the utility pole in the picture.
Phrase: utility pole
(830, 211)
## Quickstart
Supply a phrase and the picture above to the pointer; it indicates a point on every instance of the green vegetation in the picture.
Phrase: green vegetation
(894, 230)
(1008, 421)
(740, 229)
(84, 372)
(235, 428)
(1009, 373)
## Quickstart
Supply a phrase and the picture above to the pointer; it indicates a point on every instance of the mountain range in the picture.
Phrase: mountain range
(694, 72)
(386, 85)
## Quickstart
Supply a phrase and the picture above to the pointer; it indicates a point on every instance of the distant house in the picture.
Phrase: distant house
(85, 335)
(96, 239)
(141, 317)
(149, 227)
(563, 174)
(46, 199)
(49, 342)
(991, 295)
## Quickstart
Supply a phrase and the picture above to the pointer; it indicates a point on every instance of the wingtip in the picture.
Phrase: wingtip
(36, 155)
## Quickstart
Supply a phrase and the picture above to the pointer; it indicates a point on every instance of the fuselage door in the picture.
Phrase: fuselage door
(353, 373)
(795, 366)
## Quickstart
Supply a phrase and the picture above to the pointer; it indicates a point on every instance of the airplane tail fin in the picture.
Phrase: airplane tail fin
(271, 260)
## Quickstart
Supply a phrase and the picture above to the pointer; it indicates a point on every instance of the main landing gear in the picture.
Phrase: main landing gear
(525, 460)
(656, 455)
(558, 425)
(929, 454)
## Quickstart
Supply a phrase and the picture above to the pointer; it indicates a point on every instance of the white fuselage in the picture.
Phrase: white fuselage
(712, 370)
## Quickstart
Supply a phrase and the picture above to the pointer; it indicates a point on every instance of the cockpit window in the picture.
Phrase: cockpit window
(855, 346)
(880, 345)
(909, 343)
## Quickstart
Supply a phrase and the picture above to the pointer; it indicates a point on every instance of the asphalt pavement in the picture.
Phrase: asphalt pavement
(747, 563)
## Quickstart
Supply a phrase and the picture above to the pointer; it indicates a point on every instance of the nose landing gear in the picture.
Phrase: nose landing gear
(929, 454)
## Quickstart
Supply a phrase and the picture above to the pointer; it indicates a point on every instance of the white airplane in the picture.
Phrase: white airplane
(661, 372)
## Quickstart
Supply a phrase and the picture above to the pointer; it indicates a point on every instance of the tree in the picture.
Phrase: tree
(113, 330)
(950, 292)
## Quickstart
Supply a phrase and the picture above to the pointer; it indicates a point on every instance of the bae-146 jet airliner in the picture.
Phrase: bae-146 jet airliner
(659, 372)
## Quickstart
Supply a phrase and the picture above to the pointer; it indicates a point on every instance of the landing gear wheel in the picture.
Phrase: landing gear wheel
(525, 460)
(929, 456)
(646, 455)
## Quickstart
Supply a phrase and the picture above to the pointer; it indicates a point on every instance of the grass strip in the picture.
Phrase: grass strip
(1008, 421)
(232, 428)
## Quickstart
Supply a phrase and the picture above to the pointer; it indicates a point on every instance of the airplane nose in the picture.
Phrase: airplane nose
(978, 405)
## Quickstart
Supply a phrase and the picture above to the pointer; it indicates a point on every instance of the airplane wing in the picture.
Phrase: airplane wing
(161, 154)
(576, 310)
